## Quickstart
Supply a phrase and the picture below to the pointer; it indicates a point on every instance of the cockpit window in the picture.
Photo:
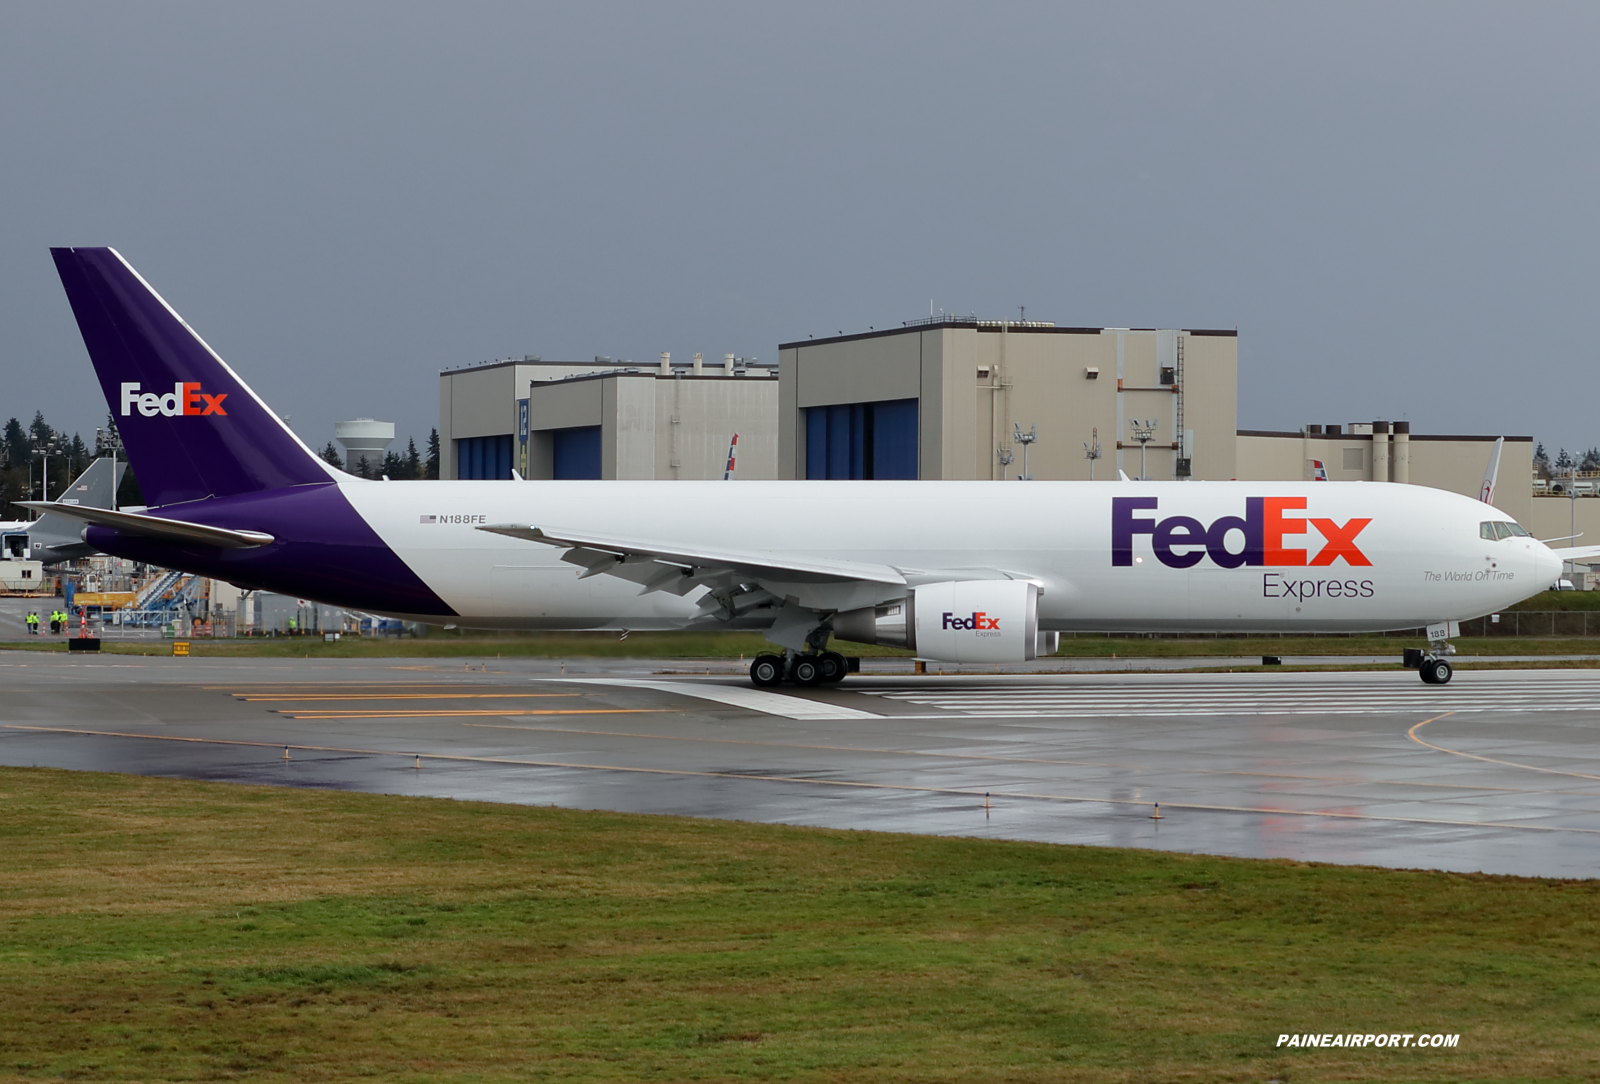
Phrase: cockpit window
(1494, 531)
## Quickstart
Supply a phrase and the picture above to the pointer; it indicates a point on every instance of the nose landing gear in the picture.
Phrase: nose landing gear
(1437, 671)
(1431, 664)
(1433, 667)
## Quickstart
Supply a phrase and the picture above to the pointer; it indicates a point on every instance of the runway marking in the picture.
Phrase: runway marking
(789, 707)
(256, 687)
(480, 669)
(1412, 734)
(408, 713)
(963, 792)
(1194, 698)
(258, 698)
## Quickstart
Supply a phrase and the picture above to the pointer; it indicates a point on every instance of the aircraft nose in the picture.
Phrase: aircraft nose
(1547, 566)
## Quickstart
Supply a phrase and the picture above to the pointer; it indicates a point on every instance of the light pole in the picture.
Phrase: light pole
(1006, 459)
(109, 439)
(50, 447)
(1572, 504)
(1091, 452)
(1142, 432)
(1025, 439)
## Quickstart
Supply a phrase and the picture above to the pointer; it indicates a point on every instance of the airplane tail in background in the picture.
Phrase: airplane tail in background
(54, 537)
(193, 429)
(1492, 472)
(96, 487)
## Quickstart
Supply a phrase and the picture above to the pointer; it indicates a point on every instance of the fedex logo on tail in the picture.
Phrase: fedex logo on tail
(1264, 536)
(181, 400)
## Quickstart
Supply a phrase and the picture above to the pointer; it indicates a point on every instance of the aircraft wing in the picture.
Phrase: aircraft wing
(658, 565)
(583, 549)
(170, 530)
(1578, 553)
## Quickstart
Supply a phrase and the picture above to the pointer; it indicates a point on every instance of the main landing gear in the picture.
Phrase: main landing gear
(1433, 666)
(804, 670)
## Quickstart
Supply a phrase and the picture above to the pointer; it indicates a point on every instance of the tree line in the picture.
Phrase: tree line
(38, 461)
(407, 466)
(1564, 461)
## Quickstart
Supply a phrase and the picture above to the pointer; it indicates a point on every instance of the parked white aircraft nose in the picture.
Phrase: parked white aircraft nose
(1547, 566)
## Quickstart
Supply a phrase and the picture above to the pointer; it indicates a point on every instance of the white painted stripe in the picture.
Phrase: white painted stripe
(1255, 707)
(1241, 710)
(1081, 702)
(789, 707)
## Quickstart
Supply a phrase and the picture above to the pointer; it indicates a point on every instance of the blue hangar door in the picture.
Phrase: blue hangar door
(862, 440)
(576, 453)
(484, 457)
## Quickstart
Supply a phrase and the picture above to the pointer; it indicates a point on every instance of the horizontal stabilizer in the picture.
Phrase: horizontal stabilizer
(171, 530)
(755, 563)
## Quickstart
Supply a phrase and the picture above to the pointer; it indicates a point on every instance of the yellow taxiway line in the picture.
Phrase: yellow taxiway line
(1412, 734)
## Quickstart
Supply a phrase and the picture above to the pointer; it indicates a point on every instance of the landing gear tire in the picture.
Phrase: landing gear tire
(834, 668)
(1437, 672)
(807, 671)
(766, 671)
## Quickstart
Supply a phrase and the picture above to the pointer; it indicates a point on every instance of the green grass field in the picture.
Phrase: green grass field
(1559, 600)
(161, 930)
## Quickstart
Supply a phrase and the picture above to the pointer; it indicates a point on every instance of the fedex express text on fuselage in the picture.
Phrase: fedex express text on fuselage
(1183, 541)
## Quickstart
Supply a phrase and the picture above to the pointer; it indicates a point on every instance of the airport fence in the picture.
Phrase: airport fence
(1535, 624)
(144, 624)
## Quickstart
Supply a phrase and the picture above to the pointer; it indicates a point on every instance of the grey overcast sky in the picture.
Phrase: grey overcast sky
(1393, 202)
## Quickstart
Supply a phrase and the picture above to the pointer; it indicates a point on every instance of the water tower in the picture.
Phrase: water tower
(363, 437)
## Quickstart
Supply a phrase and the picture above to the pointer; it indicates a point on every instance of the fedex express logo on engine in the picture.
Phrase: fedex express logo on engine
(978, 620)
(182, 399)
(1264, 536)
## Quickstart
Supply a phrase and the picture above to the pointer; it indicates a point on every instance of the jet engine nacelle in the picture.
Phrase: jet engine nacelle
(955, 621)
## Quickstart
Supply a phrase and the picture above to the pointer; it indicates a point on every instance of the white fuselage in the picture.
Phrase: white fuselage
(1428, 562)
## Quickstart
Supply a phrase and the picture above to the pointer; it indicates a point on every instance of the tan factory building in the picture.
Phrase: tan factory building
(1382, 451)
(946, 398)
(608, 419)
(1391, 452)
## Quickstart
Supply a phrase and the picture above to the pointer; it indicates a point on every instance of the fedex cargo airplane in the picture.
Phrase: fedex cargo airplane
(959, 572)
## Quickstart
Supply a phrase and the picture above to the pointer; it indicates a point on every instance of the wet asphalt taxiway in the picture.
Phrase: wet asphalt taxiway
(1498, 771)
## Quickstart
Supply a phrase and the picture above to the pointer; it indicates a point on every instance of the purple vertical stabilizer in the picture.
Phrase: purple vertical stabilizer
(193, 429)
